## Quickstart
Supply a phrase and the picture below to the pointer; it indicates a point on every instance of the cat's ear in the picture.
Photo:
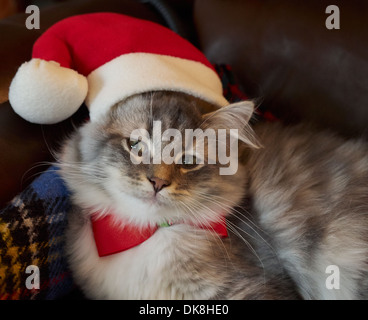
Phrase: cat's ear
(234, 116)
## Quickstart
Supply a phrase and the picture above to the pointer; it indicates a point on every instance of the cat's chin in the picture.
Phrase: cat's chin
(146, 210)
(158, 200)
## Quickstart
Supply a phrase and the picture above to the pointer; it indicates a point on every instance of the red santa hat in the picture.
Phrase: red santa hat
(103, 58)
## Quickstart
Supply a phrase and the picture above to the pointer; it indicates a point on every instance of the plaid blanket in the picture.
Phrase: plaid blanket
(31, 234)
(32, 228)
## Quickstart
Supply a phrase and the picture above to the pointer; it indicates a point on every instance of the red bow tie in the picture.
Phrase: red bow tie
(111, 237)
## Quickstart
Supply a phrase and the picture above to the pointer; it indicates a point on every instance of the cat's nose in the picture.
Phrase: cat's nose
(158, 184)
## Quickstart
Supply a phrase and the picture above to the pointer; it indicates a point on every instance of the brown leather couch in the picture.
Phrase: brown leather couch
(281, 52)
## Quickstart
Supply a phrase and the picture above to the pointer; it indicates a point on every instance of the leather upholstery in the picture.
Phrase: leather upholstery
(286, 58)
(281, 52)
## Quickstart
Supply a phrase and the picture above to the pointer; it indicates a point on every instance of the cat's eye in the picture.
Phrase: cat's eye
(136, 146)
(133, 144)
(189, 162)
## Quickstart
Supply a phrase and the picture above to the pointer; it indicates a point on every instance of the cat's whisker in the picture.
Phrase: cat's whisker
(233, 228)
(77, 169)
(236, 230)
(52, 152)
(207, 208)
(205, 224)
(37, 165)
(233, 205)
(250, 247)
(229, 210)
(191, 211)
(232, 210)
(243, 231)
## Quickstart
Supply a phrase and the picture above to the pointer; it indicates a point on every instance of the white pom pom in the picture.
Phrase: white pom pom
(45, 93)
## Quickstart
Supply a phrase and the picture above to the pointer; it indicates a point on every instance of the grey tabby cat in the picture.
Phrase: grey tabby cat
(296, 205)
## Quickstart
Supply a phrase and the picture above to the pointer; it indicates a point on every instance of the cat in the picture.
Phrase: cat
(296, 204)
(310, 192)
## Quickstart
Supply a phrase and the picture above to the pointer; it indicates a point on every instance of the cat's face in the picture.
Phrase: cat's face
(108, 167)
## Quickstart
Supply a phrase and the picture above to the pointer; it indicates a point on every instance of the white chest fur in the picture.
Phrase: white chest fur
(160, 268)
